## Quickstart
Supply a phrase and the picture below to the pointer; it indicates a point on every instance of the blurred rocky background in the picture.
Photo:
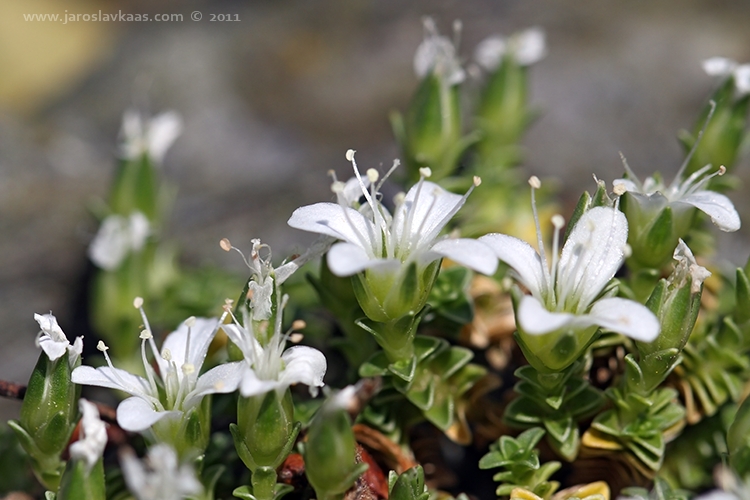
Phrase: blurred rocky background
(273, 100)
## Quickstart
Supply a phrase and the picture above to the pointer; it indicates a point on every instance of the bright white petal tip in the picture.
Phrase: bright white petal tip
(718, 66)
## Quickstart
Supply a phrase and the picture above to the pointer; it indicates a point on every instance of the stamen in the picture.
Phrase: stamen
(188, 368)
(425, 172)
(558, 221)
(630, 173)
(395, 165)
(225, 244)
(535, 184)
(684, 165)
(296, 338)
(190, 323)
(138, 302)
(619, 189)
(350, 154)
(299, 324)
(377, 216)
(146, 366)
(372, 175)
(167, 355)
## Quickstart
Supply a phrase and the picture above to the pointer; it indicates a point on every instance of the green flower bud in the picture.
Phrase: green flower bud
(49, 412)
(330, 451)
(265, 430)
(430, 133)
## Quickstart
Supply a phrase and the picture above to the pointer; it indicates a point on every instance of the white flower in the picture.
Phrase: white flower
(681, 195)
(179, 389)
(159, 476)
(565, 296)
(149, 136)
(117, 237)
(437, 54)
(373, 239)
(687, 268)
(526, 47)
(90, 446)
(53, 341)
(271, 367)
(722, 66)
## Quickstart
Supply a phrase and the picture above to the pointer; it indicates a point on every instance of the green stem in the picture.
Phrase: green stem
(264, 482)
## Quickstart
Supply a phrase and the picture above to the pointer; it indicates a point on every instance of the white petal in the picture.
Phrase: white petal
(75, 350)
(470, 253)
(522, 258)
(251, 385)
(222, 379)
(54, 349)
(136, 414)
(345, 259)
(535, 319)
(437, 53)
(742, 79)
(105, 376)
(162, 132)
(489, 52)
(139, 230)
(718, 66)
(93, 439)
(629, 185)
(717, 206)
(304, 365)
(201, 335)
(529, 46)
(111, 243)
(242, 339)
(334, 220)
(260, 300)
(425, 211)
(627, 317)
(591, 256)
(318, 248)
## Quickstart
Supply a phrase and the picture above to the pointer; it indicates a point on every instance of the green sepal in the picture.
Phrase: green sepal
(584, 203)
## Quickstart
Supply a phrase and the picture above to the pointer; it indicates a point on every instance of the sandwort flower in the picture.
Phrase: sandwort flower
(177, 388)
(53, 341)
(526, 48)
(386, 247)
(152, 137)
(565, 297)
(272, 367)
(159, 476)
(722, 66)
(438, 55)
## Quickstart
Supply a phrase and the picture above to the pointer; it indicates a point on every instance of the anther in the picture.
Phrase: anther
(101, 346)
(350, 155)
(722, 170)
(166, 354)
(558, 221)
(627, 251)
(372, 175)
(138, 302)
(299, 324)
(188, 368)
(337, 187)
(477, 180)
(425, 172)
(534, 182)
(399, 198)
(296, 338)
(190, 322)
(145, 335)
(619, 188)
(225, 244)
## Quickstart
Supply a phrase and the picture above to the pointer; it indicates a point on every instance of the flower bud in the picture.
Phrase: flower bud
(330, 451)
(265, 430)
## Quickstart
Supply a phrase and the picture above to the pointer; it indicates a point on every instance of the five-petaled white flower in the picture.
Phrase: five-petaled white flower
(652, 195)
(93, 438)
(159, 476)
(53, 341)
(526, 48)
(117, 237)
(566, 296)
(150, 136)
(722, 66)
(177, 388)
(271, 367)
(373, 239)
(437, 55)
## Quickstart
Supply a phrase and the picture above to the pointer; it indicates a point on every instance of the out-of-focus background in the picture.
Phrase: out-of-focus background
(272, 100)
